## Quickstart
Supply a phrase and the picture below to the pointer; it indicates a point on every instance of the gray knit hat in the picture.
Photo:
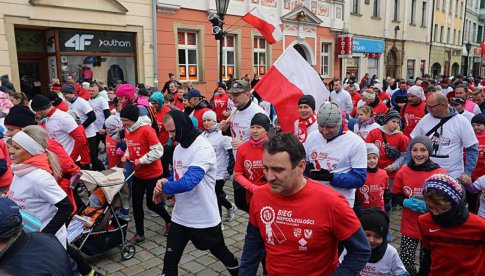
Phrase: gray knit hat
(329, 114)
(391, 114)
(372, 149)
(422, 140)
(68, 89)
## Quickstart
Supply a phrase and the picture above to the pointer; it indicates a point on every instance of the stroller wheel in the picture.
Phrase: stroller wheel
(128, 251)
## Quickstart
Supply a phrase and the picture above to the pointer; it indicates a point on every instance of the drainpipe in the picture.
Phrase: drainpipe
(431, 38)
(155, 45)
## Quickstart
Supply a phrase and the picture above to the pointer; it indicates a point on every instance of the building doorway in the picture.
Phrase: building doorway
(435, 69)
(305, 51)
(455, 69)
(391, 69)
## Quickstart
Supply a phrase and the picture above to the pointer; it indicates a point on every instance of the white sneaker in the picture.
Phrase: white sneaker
(231, 212)
(152, 213)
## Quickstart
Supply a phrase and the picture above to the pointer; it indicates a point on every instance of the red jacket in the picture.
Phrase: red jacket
(248, 170)
(6, 178)
(480, 167)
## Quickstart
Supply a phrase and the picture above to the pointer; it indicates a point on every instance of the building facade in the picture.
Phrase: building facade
(446, 37)
(102, 40)
(473, 29)
(187, 47)
(391, 38)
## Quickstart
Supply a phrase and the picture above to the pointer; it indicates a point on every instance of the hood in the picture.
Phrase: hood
(203, 104)
(185, 131)
(452, 112)
(142, 121)
(158, 98)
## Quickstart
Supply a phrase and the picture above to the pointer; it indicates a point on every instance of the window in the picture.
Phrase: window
(259, 56)
(442, 33)
(473, 33)
(461, 9)
(413, 12)
(424, 14)
(356, 6)
(448, 36)
(450, 7)
(325, 62)
(422, 67)
(443, 6)
(188, 56)
(438, 4)
(410, 69)
(229, 56)
(456, 8)
(375, 9)
(482, 4)
(396, 10)
(479, 34)
(458, 38)
(454, 37)
(435, 34)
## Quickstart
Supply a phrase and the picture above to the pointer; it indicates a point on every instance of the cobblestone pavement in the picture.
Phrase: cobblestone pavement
(148, 259)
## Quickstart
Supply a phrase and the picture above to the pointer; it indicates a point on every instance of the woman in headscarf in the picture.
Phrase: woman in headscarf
(406, 191)
(34, 187)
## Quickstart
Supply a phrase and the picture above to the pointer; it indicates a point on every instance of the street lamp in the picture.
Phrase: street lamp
(217, 21)
(468, 47)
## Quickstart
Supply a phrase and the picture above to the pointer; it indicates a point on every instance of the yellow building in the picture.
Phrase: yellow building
(446, 37)
(45, 39)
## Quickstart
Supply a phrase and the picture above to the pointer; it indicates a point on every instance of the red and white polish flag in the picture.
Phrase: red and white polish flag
(288, 79)
(267, 25)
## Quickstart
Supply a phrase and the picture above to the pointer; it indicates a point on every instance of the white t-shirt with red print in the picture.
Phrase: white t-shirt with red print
(58, 127)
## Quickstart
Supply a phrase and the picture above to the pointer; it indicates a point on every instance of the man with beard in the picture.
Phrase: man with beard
(195, 216)
(413, 110)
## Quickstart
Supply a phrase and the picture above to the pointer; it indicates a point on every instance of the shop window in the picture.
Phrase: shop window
(325, 60)
(352, 65)
(229, 56)
(100, 68)
(259, 56)
(188, 56)
(410, 69)
(373, 66)
(422, 67)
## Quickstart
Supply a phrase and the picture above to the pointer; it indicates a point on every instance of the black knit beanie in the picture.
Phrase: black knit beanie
(261, 119)
(40, 102)
(391, 114)
(308, 100)
(478, 119)
(54, 98)
(130, 112)
(374, 219)
(20, 116)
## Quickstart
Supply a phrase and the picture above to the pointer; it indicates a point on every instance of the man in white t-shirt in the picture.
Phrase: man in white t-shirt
(335, 157)
(100, 107)
(60, 126)
(195, 216)
(87, 116)
(240, 121)
(341, 97)
(450, 138)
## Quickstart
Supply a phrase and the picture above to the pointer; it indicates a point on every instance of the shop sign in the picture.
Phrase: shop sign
(96, 41)
(344, 45)
(368, 46)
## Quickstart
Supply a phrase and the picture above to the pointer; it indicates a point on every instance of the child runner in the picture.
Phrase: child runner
(113, 141)
(376, 188)
(222, 147)
(144, 150)
(365, 122)
(384, 259)
(453, 239)
(307, 122)
(406, 191)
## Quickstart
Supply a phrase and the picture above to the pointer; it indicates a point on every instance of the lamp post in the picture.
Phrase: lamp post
(468, 47)
(217, 20)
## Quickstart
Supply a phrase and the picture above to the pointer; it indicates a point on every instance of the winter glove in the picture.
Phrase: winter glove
(137, 162)
(321, 175)
(120, 152)
(415, 205)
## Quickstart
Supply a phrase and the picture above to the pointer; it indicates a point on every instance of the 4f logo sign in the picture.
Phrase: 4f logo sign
(79, 41)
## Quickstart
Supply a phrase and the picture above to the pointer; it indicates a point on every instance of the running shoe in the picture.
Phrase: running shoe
(153, 214)
(124, 214)
(231, 212)
(137, 239)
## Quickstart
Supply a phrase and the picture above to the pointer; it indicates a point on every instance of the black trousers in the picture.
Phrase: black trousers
(82, 265)
(97, 165)
(240, 197)
(221, 196)
(203, 239)
(138, 189)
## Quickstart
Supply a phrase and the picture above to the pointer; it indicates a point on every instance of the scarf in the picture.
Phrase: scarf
(365, 123)
(257, 144)
(372, 170)
(378, 252)
(425, 167)
(454, 217)
(303, 124)
(39, 161)
(212, 129)
(185, 132)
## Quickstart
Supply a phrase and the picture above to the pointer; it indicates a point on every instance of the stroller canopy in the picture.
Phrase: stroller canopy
(110, 181)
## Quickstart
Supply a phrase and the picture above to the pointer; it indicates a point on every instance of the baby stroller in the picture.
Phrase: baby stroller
(97, 230)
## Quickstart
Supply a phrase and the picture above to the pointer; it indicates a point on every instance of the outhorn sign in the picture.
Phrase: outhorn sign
(96, 41)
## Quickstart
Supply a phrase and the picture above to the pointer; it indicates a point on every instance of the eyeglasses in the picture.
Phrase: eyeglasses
(429, 107)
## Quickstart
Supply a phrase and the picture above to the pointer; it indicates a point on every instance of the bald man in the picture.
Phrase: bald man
(450, 133)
